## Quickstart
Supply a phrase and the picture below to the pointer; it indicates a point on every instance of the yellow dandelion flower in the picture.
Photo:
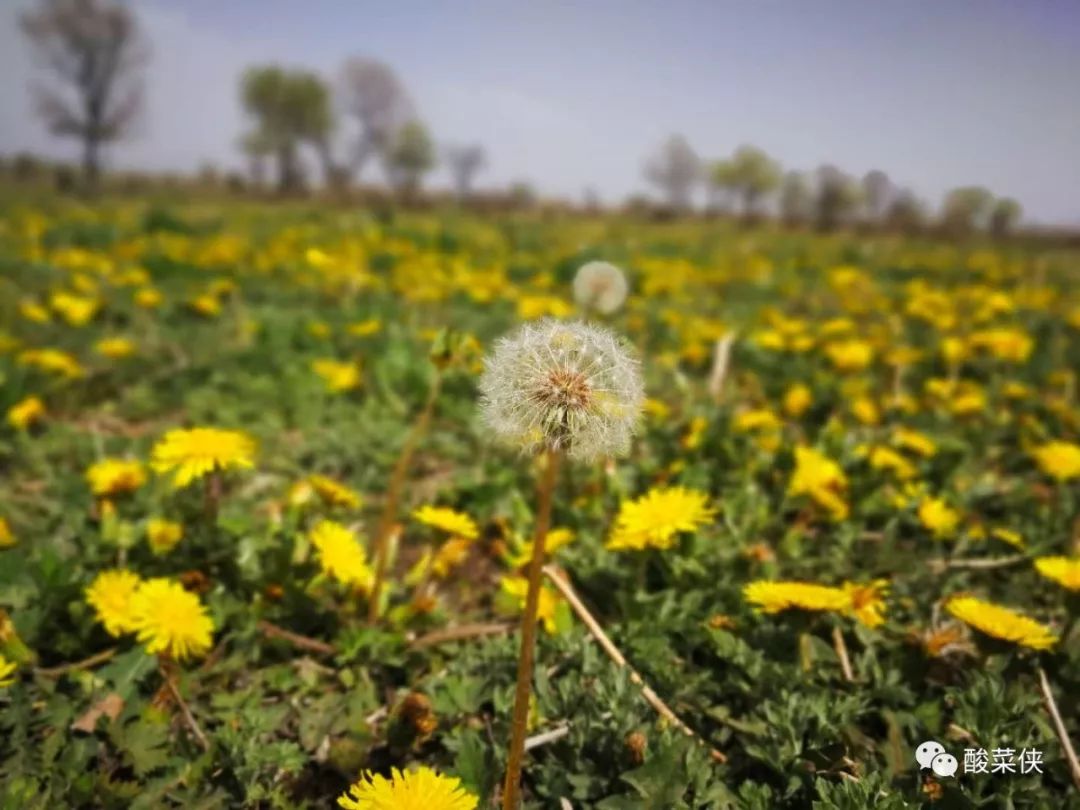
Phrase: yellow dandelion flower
(26, 413)
(163, 535)
(1013, 538)
(938, 517)
(657, 409)
(797, 399)
(866, 411)
(148, 298)
(775, 596)
(867, 601)
(171, 620)
(654, 519)
(1012, 345)
(53, 361)
(821, 478)
(33, 311)
(849, 355)
(364, 328)
(1065, 571)
(422, 789)
(111, 595)
(555, 539)
(6, 670)
(191, 454)
(518, 588)
(755, 420)
(338, 376)
(334, 493)
(115, 476)
(450, 555)
(1001, 622)
(864, 602)
(206, 305)
(340, 554)
(885, 458)
(7, 538)
(448, 520)
(914, 441)
(115, 348)
(76, 310)
(1060, 460)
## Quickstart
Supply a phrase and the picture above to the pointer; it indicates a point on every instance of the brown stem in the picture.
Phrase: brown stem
(212, 486)
(393, 494)
(842, 654)
(303, 642)
(615, 655)
(86, 663)
(1059, 727)
(512, 784)
(169, 675)
(459, 632)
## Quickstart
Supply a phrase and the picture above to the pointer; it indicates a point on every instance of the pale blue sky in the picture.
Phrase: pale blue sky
(572, 95)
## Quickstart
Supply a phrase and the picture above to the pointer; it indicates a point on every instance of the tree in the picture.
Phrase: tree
(675, 170)
(411, 153)
(796, 203)
(905, 213)
(722, 185)
(754, 175)
(464, 162)
(259, 148)
(837, 196)
(1004, 216)
(95, 51)
(290, 108)
(967, 209)
(876, 193)
(370, 93)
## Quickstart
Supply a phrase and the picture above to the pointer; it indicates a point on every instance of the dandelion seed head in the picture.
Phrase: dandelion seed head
(600, 286)
(562, 386)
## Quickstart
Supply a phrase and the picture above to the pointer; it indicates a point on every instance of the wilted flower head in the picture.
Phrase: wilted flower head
(562, 386)
(600, 286)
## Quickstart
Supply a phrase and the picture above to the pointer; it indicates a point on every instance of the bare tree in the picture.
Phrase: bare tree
(796, 200)
(96, 54)
(464, 162)
(837, 197)
(1004, 216)
(675, 170)
(877, 194)
(371, 93)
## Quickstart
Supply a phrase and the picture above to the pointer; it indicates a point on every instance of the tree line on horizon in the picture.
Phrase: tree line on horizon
(95, 53)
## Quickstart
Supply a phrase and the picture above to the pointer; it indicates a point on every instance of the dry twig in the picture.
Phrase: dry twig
(1059, 727)
(615, 655)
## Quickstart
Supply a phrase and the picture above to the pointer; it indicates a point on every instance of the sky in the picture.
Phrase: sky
(571, 96)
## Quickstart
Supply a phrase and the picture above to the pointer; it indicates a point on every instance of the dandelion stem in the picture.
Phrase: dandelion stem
(1059, 726)
(615, 655)
(393, 494)
(842, 654)
(512, 785)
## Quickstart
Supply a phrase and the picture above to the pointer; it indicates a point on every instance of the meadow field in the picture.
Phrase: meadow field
(848, 521)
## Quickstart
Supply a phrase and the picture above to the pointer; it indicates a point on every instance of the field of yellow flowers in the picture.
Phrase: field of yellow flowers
(270, 487)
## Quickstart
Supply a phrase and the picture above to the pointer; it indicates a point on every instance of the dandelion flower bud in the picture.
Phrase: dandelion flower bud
(569, 387)
(600, 286)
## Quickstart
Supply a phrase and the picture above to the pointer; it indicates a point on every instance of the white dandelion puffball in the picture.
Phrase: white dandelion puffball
(600, 286)
(561, 386)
